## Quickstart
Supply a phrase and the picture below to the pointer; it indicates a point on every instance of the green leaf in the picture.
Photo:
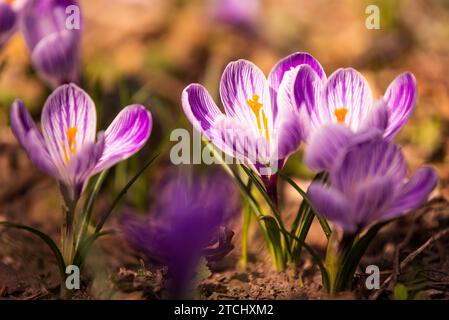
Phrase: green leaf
(87, 213)
(122, 193)
(319, 177)
(51, 244)
(353, 257)
(306, 213)
(400, 292)
(262, 190)
(85, 246)
(272, 206)
(274, 235)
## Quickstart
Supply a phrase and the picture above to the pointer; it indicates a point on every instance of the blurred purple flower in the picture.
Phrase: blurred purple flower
(9, 16)
(184, 225)
(346, 98)
(241, 14)
(67, 149)
(368, 183)
(257, 128)
(53, 39)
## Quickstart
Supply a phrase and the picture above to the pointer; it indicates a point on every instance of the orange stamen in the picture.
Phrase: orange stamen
(71, 137)
(340, 114)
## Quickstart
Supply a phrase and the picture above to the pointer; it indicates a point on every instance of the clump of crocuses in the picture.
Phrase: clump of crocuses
(68, 149)
(185, 224)
(261, 128)
(257, 128)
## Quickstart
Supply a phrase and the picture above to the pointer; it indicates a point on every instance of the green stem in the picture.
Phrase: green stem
(336, 255)
(87, 214)
(68, 240)
(245, 229)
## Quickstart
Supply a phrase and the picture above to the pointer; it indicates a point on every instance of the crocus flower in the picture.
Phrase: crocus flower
(257, 127)
(242, 14)
(9, 16)
(345, 98)
(183, 226)
(66, 149)
(53, 39)
(368, 184)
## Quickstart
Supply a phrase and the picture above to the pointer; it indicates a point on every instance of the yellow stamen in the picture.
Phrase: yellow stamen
(71, 137)
(255, 106)
(9, 2)
(340, 114)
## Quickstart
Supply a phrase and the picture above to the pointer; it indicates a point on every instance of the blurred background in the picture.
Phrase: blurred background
(148, 51)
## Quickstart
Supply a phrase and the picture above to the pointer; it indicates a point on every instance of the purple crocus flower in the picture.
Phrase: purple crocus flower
(368, 183)
(53, 39)
(184, 225)
(9, 15)
(257, 127)
(242, 14)
(346, 98)
(66, 149)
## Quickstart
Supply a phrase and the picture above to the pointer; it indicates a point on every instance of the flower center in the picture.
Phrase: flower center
(9, 2)
(256, 108)
(71, 138)
(340, 114)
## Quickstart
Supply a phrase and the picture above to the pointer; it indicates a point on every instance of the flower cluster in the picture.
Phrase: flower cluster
(348, 136)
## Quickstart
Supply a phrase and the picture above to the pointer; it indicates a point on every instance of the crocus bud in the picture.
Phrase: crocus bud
(52, 31)
(8, 21)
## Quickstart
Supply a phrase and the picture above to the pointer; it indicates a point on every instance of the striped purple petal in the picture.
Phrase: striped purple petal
(369, 158)
(330, 203)
(126, 135)
(401, 100)
(81, 166)
(325, 145)
(307, 90)
(378, 117)
(287, 136)
(242, 84)
(199, 107)
(56, 58)
(288, 63)
(369, 201)
(347, 96)
(69, 123)
(237, 140)
(415, 192)
(31, 139)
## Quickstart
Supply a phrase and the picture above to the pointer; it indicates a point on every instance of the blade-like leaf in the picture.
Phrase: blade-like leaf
(274, 234)
(353, 257)
(122, 193)
(87, 213)
(85, 246)
(308, 214)
(51, 244)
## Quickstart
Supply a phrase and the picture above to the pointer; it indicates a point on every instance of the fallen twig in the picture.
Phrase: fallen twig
(409, 259)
